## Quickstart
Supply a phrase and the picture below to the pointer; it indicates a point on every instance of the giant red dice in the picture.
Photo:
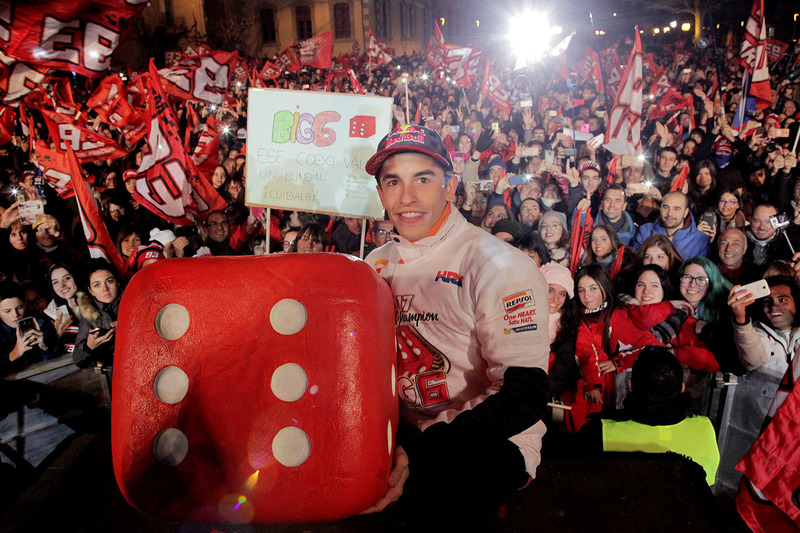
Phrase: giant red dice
(256, 389)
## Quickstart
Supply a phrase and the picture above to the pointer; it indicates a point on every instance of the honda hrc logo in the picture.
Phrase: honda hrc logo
(449, 277)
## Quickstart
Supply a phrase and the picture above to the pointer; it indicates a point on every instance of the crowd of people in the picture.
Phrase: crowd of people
(634, 256)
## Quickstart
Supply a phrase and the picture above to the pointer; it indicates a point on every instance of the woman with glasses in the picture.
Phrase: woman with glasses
(603, 329)
(289, 240)
(727, 215)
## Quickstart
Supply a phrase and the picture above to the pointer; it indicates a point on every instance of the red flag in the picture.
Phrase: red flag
(623, 135)
(680, 181)
(109, 101)
(648, 63)
(340, 67)
(192, 120)
(270, 71)
(172, 57)
(753, 56)
(88, 144)
(203, 78)
(590, 69)
(376, 52)
(206, 153)
(240, 71)
(257, 81)
(661, 83)
(467, 72)
(682, 57)
(55, 169)
(287, 60)
(495, 90)
(97, 237)
(78, 36)
(355, 83)
(17, 80)
(167, 181)
(580, 232)
(671, 102)
(317, 51)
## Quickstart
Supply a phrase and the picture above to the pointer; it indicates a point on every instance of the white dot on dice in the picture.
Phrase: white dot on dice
(289, 382)
(288, 316)
(171, 384)
(170, 447)
(172, 321)
(291, 446)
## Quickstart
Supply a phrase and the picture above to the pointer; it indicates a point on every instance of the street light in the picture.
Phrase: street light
(686, 26)
(673, 24)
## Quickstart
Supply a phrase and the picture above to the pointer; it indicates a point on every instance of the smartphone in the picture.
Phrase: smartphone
(100, 331)
(709, 218)
(560, 120)
(25, 324)
(549, 157)
(529, 151)
(495, 127)
(600, 113)
(519, 179)
(687, 71)
(552, 113)
(456, 128)
(585, 128)
(485, 185)
(526, 103)
(758, 289)
(568, 152)
(779, 132)
(637, 188)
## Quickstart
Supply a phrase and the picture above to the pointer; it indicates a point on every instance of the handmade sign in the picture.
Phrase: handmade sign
(307, 151)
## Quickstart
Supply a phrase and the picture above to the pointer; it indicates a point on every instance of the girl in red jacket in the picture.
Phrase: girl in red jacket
(607, 343)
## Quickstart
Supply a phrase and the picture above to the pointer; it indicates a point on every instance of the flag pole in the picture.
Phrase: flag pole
(406, 84)
(716, 56)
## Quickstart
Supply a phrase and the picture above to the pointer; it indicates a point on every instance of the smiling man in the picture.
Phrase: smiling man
(472, 330)
(677, 223)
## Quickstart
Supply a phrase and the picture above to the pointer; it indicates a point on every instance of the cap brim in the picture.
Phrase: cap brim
(375, 162)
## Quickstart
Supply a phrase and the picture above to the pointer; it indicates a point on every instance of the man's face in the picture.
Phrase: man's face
(731, 247)
(353, 224)
(530, 212)
(666, 162)
(613, 204)
(590, 179)
(218, 227)
(494, 173)
(759, 222)
(673, 211)
(789, 108)
(458, 166)
(780, 307)
(531, 189)
(413, 191)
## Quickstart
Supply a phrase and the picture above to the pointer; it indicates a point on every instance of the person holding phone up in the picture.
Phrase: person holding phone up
(23, 340)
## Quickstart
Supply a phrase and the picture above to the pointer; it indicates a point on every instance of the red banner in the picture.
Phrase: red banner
(79, 36)
(206, 153)
(17, 80)
(467, 72)
(287, 60)
(109, 101)
(376, 51)
(753, 56)
(55, 168)
(436, 48)
(88, 144)
(625, 119)
(167, 181)
(203, 78)
(97, 238)
(270, 71)
(316, 52)
(775, 50)
(495, 90)
(590, 69)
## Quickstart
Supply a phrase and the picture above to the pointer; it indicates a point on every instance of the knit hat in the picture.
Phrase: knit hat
(162, 236)
(507, 226)
(496, 161)
(558, 215)
(558, 275)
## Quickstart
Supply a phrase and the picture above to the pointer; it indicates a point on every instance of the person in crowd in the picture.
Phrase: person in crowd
(657, 416)
(98, 316)
(219, 179)
(52, 243)
(554, 234)
(129, 238)
(607, 250)
(114, 210)
(703, 187)
(494, 214)
(613, 213)
(665, 169)
(602, 328)
(63, 308)
(19, 253)
(731, 250)
(563, 370)
(530, 213)
(290, 239)
(311, 238)
(553, 197)
(218, 232)
(507, 230)
(761, 233)
(533, 246)
(347, 237)
(677, 223)
(23, 339)
(669, 320)
(584, 192)
(658, 250)
(727, 215)
(475, 203)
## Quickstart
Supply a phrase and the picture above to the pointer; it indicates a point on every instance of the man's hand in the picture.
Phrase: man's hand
(484, 141)
(527, 118)
(593, 396)
(573, 175)
(738, 302)
(397, 479)
(10, 216)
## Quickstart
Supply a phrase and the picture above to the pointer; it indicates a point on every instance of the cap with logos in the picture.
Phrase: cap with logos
(410, 138)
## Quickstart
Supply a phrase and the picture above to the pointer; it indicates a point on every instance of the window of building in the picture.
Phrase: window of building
(303, 16)
(403, 20)
(382, 12)
(341, 20)
(268, 33)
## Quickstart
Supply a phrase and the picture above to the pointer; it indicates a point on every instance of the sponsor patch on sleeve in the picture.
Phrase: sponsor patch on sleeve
(520, 312)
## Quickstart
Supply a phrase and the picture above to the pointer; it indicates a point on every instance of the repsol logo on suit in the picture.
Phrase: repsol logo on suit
(449, 277)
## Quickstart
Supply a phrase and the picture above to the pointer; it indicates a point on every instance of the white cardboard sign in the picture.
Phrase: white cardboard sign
(306, 151)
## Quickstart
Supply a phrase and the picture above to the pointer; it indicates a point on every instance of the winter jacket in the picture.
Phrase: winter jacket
(762, 347)
(689, 241)
(94, 315)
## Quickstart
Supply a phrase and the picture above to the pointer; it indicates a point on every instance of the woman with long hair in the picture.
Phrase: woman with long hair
(63, 309)
(553, 231)
(607, 250)
(98, 315)
(703, 187)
